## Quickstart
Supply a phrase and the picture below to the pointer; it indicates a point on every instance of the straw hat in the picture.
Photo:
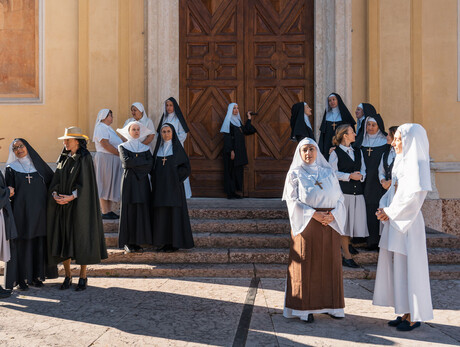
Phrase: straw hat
(73, 133)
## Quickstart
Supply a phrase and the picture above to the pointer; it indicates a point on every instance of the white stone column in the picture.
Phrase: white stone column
(162, 54)
(332, 54)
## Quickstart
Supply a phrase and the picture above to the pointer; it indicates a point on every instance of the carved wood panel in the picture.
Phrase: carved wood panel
(258, 53)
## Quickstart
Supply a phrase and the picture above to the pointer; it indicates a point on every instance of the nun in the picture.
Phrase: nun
(28, 174)
(74, 221)
(402, 279)
(300, 122)
(172, 114)
(138, 114)
(7, 227)
(373, 146)
(234, 150)
(107, 163)
(387, 161)
(135, 228)
(363, 111)
(335, 114)
(317, 215)
(171, 222)
(350, 169)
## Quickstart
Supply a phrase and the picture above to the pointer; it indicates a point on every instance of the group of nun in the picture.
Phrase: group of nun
(357, 185)
(47, 218)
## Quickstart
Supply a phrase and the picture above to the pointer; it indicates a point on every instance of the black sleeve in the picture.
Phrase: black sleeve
(129, 162)
(4, 192)
(9, 177)
(229, 142)
(183, 171)
(248, 129)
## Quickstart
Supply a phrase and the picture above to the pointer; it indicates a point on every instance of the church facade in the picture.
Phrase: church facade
(63, 61)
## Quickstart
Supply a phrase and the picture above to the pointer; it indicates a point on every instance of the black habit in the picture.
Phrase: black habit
(5, 205)
(299, 129)
(369, 111)
(135, 227)
(171, 222)
(373, 189)
(75, 230)
(328, 128)
(233, 169)
(28, 252)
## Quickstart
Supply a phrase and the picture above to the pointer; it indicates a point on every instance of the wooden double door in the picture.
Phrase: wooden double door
(259, 54)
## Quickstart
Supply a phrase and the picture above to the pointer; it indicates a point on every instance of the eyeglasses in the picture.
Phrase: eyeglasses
(15, 148)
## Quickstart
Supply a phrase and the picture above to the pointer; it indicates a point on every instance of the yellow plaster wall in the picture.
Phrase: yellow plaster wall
(359, 54)
(93, 59)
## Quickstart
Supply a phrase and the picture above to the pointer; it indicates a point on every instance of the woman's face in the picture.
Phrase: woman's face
(71, 145)
(397, 143)
(166, 133)
(389, 138)
(332, 101)
(135, 131)
(372, 128)
(19, 149)
(350, 136)
(307, 110)
(359, 112)
(136, 113)
(308, 153)
(235, 110)
(109, 119)
(169, 106)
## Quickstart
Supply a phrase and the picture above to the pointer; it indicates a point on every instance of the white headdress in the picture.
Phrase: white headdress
(231, 118)
(135, 145)
(101, 115)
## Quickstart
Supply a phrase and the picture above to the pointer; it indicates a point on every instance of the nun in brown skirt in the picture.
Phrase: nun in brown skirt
(317, 215)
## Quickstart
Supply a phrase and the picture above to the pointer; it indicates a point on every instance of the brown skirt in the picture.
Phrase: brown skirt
(314, 278)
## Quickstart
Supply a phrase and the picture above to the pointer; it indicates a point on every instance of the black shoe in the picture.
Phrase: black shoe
(114, 215)
(310, 318)
(237, 196)
(373, 247)
(37, 283)
(395, 322)
(171, 249)
(349, 263)
(109, 216)
(137, 248)
(82, 282)
(405, 326)
(352, 250)
(23, 286)
(67, 283)
(4, 293)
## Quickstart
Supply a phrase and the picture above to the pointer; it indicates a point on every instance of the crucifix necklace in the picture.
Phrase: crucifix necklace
(333, 126)
(370, 150)
(317, 182)
(28, 177)
(165, 150)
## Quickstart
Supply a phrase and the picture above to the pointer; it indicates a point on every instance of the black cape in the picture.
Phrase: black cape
(10, 225)
(28, 252)
(327, 129)
(135, 227)
(299, 129)
(179, 115)
(75, 230)
(171, 222)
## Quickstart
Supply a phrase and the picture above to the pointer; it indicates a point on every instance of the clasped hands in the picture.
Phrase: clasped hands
(63, 199)
(356, 176)
(381, 215)
(325, 218)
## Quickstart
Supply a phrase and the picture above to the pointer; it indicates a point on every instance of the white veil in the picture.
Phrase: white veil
(230, 118)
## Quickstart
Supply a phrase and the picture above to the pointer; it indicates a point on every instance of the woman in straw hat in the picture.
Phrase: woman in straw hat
(74, 215)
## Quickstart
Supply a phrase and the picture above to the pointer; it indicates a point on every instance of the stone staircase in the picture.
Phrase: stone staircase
(243, 238)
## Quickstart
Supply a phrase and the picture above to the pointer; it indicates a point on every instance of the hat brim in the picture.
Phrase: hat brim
(72, 137)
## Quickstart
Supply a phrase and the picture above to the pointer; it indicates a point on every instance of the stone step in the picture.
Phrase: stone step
(256, 240)
(247, 255)
(270, 226)
(238, 213)
(439, 272)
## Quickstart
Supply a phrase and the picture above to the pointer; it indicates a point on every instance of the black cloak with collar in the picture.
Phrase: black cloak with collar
(298, 125)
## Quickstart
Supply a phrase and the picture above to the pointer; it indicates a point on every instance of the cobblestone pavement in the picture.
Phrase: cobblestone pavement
(209, 311)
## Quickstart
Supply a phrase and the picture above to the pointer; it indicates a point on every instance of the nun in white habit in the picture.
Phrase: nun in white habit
(139, 114)
(135, 228)
(402, 271)
(317, 215)
(107, 162)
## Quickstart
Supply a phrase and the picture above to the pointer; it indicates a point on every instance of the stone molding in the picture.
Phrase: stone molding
(445, 166)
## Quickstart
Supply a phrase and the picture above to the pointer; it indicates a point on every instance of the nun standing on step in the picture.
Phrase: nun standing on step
(135, 228)
(173, 115)
(402, 279)
(171, 222)
(28, 174)
(317, 215)
(234, 151)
